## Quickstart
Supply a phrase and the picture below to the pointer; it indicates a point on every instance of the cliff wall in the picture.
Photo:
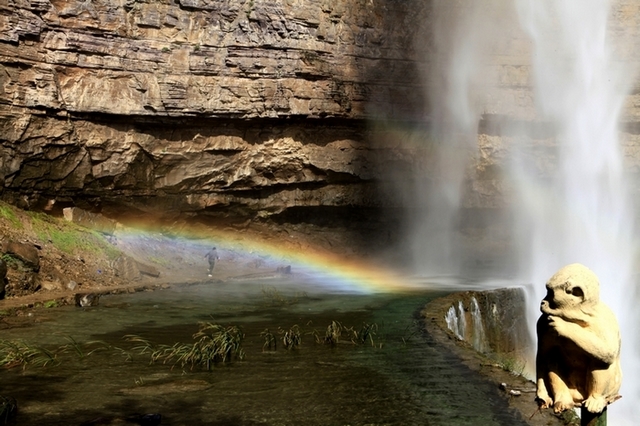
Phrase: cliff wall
(241, 110)
(219, 109)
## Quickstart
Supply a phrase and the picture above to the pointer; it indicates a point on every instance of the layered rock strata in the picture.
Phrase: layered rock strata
(252, 109)
(218, 108)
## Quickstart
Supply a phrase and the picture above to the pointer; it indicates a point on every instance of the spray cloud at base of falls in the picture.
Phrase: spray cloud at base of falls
(548, 85)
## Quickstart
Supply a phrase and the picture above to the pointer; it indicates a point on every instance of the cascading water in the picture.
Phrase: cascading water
(479, 337)
(583, 213)
(571, 203)
(456, 321)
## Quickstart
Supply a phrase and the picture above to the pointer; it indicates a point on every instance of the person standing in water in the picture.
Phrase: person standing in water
(212, 255)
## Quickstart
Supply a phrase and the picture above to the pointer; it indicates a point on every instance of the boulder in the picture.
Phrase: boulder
(94, 221)
(26, 252)
(130, 269)
(87, 299)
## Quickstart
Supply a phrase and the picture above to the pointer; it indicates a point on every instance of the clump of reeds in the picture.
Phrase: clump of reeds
(8, 410)
(332, 334)
(336, 331)
(82, 350)
(15, 353)
(366, 333)
(291, 338)
(270, 340)
(214, 344)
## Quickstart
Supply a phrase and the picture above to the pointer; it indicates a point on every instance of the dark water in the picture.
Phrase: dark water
(403, 378)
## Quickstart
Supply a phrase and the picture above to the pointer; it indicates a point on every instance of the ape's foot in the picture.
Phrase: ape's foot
(544, 400)
(562, 403)
(595, 403)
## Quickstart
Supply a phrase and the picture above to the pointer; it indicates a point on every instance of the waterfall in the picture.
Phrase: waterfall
(567, 190)
(583, 212)
(456, 321)
(479, 338)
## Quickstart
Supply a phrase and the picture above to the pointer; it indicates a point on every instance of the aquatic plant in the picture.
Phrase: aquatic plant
(332, 334)
(336, 331)
(74, 346)
(291, 338)
(269, 340)
(15, 353)
(214, 343)
(366, 333)
(8, 409)
(84, 349)
(410, 331)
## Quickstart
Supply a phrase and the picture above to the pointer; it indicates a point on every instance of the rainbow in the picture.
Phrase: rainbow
(327, 269)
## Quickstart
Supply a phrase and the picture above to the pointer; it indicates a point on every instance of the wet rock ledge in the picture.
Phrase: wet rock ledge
(487, 330)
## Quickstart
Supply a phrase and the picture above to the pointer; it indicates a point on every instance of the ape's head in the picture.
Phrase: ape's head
(573, 286)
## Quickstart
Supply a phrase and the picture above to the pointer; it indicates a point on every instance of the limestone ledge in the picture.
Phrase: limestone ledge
(235, 58)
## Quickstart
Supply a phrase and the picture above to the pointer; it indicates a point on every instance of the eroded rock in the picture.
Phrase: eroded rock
(90, 220)
(27, 253)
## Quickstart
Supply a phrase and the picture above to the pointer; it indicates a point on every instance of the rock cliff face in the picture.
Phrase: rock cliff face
(292, 110)
(230, 108)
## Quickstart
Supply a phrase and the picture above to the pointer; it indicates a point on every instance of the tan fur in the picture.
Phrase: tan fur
(578, 359)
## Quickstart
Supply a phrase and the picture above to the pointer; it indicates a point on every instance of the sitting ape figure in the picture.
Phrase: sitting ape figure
(578, 359)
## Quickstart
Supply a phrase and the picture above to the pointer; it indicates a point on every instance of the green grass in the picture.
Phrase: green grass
(511, 364)
(7, 212)
(70, 238)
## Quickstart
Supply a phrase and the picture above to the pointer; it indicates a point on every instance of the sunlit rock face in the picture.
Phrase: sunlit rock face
(219, 108)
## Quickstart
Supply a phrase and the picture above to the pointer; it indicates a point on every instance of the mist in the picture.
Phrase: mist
(526, 102)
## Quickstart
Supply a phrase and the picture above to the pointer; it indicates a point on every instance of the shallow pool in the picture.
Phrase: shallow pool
(397, 377)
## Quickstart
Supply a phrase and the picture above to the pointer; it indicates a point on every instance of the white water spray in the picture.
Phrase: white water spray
(571, 203)
(583, 212)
